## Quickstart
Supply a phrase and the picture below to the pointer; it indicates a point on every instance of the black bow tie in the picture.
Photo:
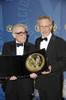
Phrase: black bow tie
(19, 44)
(44, 39)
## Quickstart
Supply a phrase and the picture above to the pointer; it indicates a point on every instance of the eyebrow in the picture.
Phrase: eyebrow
(20, 32)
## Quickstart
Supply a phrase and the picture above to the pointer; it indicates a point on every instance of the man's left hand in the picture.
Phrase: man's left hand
(47, 72)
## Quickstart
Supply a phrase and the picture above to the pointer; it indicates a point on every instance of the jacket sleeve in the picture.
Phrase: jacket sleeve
(5, 49)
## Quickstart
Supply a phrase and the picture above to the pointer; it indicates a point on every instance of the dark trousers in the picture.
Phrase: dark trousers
(16, 91)
(50, 95)
(14, 96)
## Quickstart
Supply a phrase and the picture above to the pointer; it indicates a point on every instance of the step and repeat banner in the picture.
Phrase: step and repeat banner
(27, 12)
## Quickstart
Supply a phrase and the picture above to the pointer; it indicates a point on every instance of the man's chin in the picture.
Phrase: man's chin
(44, 35)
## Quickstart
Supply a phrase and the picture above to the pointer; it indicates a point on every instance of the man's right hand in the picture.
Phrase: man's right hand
(33, 75)
(13, 78)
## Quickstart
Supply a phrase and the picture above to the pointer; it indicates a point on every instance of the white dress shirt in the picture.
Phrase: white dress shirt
(20, 49)
(44, 43)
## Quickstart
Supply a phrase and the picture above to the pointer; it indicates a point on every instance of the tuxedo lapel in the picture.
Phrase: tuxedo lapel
(51, 43)
(38, 44)
(26, 48)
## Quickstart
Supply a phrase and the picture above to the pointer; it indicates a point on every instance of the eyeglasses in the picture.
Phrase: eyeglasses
(21, 32)
(46, 27)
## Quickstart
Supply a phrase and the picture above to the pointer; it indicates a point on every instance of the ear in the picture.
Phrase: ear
(14, 35)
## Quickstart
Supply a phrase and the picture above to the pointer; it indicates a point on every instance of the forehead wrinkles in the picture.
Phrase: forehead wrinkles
(44, 22)
(18, 29)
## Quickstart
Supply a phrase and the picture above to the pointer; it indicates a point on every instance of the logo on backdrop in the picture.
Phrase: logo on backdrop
(9, 28)
(36, 28)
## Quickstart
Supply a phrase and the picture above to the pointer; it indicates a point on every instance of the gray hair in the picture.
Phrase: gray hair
(19, 25)
(45, 17)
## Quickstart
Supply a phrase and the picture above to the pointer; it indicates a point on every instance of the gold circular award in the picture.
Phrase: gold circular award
(35, 62)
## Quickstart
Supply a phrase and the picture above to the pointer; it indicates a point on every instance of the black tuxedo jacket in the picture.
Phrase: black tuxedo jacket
(9, 48)
(56, 57)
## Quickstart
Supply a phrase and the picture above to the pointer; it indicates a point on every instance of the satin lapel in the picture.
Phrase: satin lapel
(51, 43)
(38, 44)
(13, 48)
(26, 48)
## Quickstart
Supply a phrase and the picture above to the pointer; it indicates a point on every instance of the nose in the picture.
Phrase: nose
(44, 28)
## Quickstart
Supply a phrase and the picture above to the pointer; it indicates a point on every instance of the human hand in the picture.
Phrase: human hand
(33, 75)
(13, 78)
(47, 72)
